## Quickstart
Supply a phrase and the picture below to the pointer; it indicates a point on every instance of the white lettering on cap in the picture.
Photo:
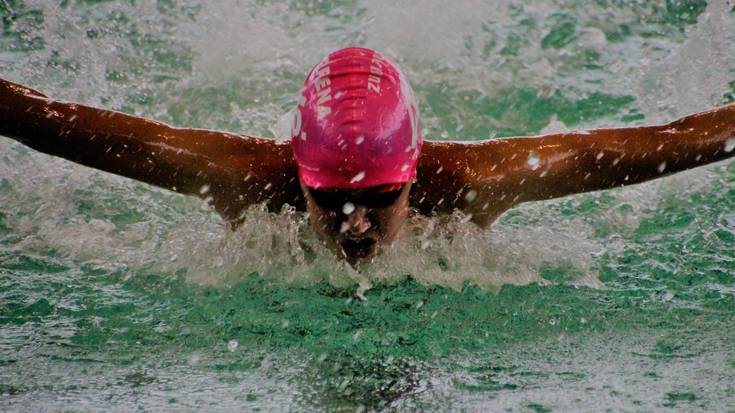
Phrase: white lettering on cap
(376, 73)
(323, 89)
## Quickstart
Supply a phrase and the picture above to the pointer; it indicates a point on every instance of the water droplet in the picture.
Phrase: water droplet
(194, 359)
(662, 166)
(600, 155)
(470, 196)
(729, 144)
(204, 189)
(348, 208)
(344, 227)
(404, 167)
(232, 345)
(533, 160)
(360, 139)
(357, 178)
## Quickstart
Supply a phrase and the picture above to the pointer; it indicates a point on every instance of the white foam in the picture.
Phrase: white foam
(250, 41)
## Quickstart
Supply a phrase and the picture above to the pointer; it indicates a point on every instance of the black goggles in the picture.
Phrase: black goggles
(375, 197)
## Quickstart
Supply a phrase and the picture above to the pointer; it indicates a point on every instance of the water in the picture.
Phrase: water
(118, 296)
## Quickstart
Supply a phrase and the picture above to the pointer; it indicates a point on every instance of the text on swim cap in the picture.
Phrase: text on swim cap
(323, 89)
(376, 72)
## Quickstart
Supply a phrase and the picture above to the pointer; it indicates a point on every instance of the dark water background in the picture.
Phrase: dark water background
(116, 296)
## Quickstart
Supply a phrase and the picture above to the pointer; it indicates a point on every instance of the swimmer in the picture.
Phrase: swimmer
(356, 161)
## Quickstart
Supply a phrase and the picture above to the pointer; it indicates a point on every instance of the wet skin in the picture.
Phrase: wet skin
(483, 179)
(357, 224)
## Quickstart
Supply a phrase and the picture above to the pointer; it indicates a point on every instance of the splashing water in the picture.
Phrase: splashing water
(113, 290)
(358, 177)
(533, 160)
(348, 208)
(729, 144)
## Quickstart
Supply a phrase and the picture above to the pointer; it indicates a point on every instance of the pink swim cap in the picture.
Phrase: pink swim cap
(356, 124)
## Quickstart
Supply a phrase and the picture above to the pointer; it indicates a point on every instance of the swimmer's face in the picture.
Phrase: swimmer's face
(358, 224)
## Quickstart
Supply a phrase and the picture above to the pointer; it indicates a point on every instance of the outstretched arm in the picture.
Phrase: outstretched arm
(229, 171)
(487, 178)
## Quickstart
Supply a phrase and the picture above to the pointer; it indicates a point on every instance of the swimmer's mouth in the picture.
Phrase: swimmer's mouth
(358, 248)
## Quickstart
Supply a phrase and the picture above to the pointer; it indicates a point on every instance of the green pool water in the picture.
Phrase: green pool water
(117, 296)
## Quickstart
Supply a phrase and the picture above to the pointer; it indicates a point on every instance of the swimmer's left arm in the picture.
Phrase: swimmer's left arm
(486, 178)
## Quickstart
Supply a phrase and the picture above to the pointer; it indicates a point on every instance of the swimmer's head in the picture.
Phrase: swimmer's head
(356, 139)
(357, 124)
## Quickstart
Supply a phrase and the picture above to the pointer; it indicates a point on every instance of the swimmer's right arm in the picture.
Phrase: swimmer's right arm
(230, 171)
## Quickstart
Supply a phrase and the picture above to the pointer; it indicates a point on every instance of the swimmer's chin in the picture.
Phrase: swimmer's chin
(358, 250)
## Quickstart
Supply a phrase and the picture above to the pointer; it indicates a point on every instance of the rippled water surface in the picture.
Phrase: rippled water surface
(116, 296)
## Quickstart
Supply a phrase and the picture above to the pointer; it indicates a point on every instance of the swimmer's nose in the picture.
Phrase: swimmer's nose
(357, 221)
